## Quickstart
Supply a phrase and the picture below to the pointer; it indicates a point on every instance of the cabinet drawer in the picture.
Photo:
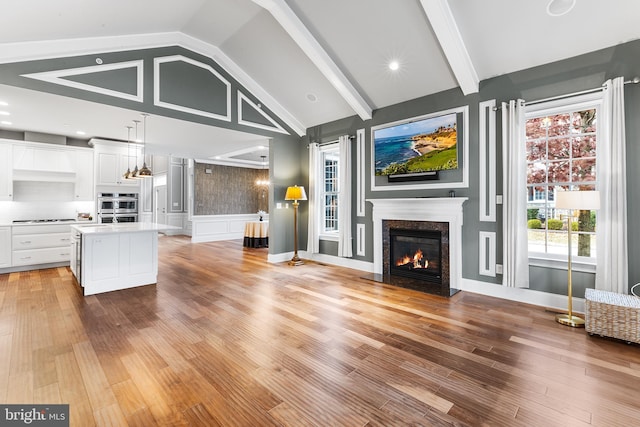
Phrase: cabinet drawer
(41, 229)
(36, 241)
(42, 256)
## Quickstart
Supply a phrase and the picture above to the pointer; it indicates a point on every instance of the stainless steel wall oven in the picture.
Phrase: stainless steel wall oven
(117, 207)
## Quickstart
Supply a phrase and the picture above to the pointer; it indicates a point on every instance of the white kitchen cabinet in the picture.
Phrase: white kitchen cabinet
(84, 175)
(5, 247)
(34, 157)
(40, 244)
(6, 171)
(112, 159)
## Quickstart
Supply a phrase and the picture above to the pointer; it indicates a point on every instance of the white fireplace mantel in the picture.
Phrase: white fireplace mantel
(439, 209)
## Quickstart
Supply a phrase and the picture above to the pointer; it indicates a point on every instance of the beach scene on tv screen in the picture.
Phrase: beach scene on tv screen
(420, 146)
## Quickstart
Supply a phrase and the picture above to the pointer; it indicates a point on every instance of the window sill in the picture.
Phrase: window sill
(329, 237)
(584, 266)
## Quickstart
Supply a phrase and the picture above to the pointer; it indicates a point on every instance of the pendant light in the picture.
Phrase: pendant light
(127, 174)
(144, 172)
(135, 172)
(264, 182)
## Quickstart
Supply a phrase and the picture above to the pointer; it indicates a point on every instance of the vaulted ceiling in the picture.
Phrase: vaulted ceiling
(315, 61)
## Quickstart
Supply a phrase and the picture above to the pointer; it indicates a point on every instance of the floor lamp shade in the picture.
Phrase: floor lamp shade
(574, 200)
(295, 193)
(578, 200)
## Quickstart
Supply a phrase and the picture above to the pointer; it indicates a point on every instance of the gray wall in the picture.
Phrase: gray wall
(576, 74)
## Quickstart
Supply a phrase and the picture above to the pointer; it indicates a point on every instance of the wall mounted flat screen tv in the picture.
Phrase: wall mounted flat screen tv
(415, 147)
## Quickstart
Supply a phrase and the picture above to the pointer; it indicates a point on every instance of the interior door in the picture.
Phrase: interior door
(160, 204)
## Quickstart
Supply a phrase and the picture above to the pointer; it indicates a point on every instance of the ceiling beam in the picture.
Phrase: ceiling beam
(310, 46)
(446, 30)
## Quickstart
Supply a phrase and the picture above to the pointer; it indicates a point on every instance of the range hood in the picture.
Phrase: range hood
(43, 175)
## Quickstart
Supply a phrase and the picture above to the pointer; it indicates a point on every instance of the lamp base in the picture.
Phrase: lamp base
(573, 321)
(296, 261)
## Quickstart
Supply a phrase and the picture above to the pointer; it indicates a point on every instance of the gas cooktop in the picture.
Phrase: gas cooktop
(39, 221)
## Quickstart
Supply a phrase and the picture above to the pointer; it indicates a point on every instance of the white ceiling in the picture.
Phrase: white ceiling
(288, 51)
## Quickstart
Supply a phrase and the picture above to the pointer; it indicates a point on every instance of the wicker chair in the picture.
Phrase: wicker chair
(613, 315)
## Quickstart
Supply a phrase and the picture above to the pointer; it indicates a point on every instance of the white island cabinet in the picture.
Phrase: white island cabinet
(109, 257)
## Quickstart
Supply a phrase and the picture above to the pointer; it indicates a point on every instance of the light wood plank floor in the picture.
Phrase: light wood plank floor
(227, 339)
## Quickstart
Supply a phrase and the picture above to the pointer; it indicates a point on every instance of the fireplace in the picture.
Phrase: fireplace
(416, 254)
(421, 217)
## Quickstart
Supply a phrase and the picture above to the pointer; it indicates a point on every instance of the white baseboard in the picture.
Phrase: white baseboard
(527, 296)
(325, 259)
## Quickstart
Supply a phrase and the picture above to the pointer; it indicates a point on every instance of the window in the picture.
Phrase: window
(561, 146)
(329, 221)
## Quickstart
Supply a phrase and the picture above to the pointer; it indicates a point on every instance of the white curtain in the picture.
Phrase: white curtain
(344, 198)
(611, 233)
(313, 242)
(515, 246)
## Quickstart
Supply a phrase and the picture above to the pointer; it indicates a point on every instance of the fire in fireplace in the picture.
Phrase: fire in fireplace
(416, 254)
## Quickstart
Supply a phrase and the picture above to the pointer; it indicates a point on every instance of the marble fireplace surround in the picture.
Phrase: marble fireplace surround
(437, 209)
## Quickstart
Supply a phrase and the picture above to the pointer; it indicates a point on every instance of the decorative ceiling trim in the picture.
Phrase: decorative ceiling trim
(229, 159)
(446, 30)
(157, 62)
(51, 49)
(58, 77)
(258, 108)
(310, 46)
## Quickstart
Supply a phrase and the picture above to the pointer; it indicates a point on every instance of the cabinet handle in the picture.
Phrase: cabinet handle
(26, 242)
(26, 257)
(65, 240)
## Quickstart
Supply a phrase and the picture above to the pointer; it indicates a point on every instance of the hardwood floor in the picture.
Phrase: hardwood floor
(227, 339)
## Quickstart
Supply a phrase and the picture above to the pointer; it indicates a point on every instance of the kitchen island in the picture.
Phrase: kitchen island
(110, 257)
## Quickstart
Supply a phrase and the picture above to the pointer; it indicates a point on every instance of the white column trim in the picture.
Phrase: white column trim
(360, 240)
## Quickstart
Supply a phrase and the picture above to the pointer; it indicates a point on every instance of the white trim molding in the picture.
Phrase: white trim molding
(361, 240)
(487, 253)
(440, 209)
(360, 173)
(57, 77)
(211, 228)
(487, 160)
(157, 62)
(258, 107)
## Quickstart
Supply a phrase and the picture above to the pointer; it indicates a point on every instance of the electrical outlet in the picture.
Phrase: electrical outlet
(498, 268)
(499, 200)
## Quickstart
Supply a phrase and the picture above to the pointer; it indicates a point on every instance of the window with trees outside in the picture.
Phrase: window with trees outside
(330, 159)
(561, 155)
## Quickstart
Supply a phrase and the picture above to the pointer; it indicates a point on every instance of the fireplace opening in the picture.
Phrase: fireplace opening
(416, 254)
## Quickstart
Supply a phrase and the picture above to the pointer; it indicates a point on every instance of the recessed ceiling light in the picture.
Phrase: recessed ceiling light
(394, 65)
(4, 113)
(312, 97)
(81, 132)
(4, 103)
(560, 7)
(4, 122)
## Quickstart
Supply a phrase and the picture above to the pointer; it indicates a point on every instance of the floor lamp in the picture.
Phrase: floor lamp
(295, 193)
(578, 200)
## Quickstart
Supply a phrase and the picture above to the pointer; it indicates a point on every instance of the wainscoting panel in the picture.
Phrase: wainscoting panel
(360, 171)
(487, 253)
(360, 240)
(487, 146)
(210, 228)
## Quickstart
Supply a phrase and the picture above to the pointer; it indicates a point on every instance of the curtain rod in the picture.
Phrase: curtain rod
(335, 141)
(635, 80)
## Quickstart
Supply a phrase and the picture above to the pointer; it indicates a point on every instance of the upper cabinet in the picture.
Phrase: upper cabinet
(6, 179)
(40, 162)
(84, 175)
(112, 159)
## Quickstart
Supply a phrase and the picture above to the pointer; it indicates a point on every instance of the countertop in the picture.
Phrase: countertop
(129, 227)
(9, 223)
